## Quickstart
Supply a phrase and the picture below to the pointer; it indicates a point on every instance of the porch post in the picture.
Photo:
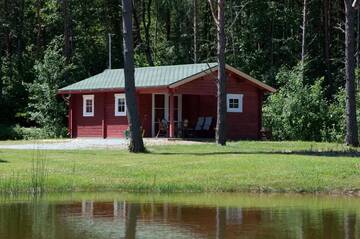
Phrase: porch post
(70, 123)
(171, 116)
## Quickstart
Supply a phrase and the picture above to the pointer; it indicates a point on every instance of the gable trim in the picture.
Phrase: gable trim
(230, 68)
(194, 77)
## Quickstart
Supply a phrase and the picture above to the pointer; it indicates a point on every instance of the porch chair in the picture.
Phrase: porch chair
(199, 124)
(207, 123)
(205, 131)
(163, 128)
(198, 128)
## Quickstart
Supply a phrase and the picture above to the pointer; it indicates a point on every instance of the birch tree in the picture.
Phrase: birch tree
(221, 78)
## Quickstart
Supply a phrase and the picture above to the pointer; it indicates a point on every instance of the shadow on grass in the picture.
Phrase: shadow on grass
(296, 152)
(3, 161)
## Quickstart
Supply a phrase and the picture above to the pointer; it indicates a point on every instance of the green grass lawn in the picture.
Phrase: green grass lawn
(241, 166)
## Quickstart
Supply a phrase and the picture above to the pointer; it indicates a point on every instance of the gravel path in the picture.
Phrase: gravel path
(75, 144)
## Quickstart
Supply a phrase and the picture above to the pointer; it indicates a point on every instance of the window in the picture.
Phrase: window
(120, 105)
(235, 103)
(88, 105)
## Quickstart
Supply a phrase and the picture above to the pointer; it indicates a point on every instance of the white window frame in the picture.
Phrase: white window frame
(240, 98)
(117, 97)
(85, 98)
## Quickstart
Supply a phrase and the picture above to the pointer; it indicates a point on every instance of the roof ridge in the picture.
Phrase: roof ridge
(163, 66)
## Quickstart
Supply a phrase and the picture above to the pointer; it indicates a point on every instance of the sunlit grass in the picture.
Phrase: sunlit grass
(241, 166)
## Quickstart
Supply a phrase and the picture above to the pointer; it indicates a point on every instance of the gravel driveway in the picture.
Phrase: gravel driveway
(75, 144)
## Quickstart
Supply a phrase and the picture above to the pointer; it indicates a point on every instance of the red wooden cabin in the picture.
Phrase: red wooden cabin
(176, 93)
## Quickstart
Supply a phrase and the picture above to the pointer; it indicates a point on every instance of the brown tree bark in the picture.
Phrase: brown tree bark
(352, 138)
(136, 141)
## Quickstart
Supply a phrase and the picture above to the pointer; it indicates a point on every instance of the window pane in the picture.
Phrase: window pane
(121, 105)
(88, 106)
(233, 103)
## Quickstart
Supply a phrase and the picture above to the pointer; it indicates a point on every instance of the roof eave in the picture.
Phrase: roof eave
(103, 90)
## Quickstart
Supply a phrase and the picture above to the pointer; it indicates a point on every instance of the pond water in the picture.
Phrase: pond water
(111, 215)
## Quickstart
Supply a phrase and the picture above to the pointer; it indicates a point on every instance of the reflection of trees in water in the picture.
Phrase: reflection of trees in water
(42, 220)
(133, 212)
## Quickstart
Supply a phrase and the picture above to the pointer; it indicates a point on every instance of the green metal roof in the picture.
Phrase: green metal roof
(156, 76)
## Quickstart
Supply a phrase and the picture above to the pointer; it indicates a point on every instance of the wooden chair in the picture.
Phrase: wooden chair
(163, 128)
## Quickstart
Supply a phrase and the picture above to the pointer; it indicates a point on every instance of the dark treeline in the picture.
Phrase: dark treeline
(46, 44)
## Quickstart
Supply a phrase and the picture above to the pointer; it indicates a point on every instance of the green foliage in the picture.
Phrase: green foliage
(45, 108)
(336, 117)
(297, 111)
(28, 133)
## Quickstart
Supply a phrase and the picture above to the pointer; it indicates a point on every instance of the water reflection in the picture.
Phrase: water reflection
(127, 219)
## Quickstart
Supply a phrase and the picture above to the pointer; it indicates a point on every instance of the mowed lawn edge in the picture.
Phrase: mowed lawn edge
(245, 166)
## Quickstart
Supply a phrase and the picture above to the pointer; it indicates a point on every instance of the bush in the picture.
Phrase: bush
(297, 111)
(300, 112)
(336, 117)
(18, 133)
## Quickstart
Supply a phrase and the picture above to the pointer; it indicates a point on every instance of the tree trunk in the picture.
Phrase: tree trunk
(130, 230)
(357, 38)
(147, 23)
(138, 38)
(327, 44)
(303, 43)
(136, 141)
(195, 29)
(221, 84)
(67, 31)
(39, 28)
(350, 87)
(168, 24)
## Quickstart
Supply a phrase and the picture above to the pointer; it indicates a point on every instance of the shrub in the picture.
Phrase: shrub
(17, 133)
(297, 111)
(336, 117)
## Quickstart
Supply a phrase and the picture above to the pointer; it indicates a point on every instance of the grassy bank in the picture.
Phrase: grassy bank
(242, 166)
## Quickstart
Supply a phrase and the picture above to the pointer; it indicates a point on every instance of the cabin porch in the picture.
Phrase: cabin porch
(183, 115)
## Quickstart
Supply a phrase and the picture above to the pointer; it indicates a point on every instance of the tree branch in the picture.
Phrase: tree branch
(213, 13)
(238, 13)
(355, 3)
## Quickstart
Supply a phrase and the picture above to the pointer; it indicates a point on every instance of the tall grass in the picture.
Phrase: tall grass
(39, 172)
(33, 181)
